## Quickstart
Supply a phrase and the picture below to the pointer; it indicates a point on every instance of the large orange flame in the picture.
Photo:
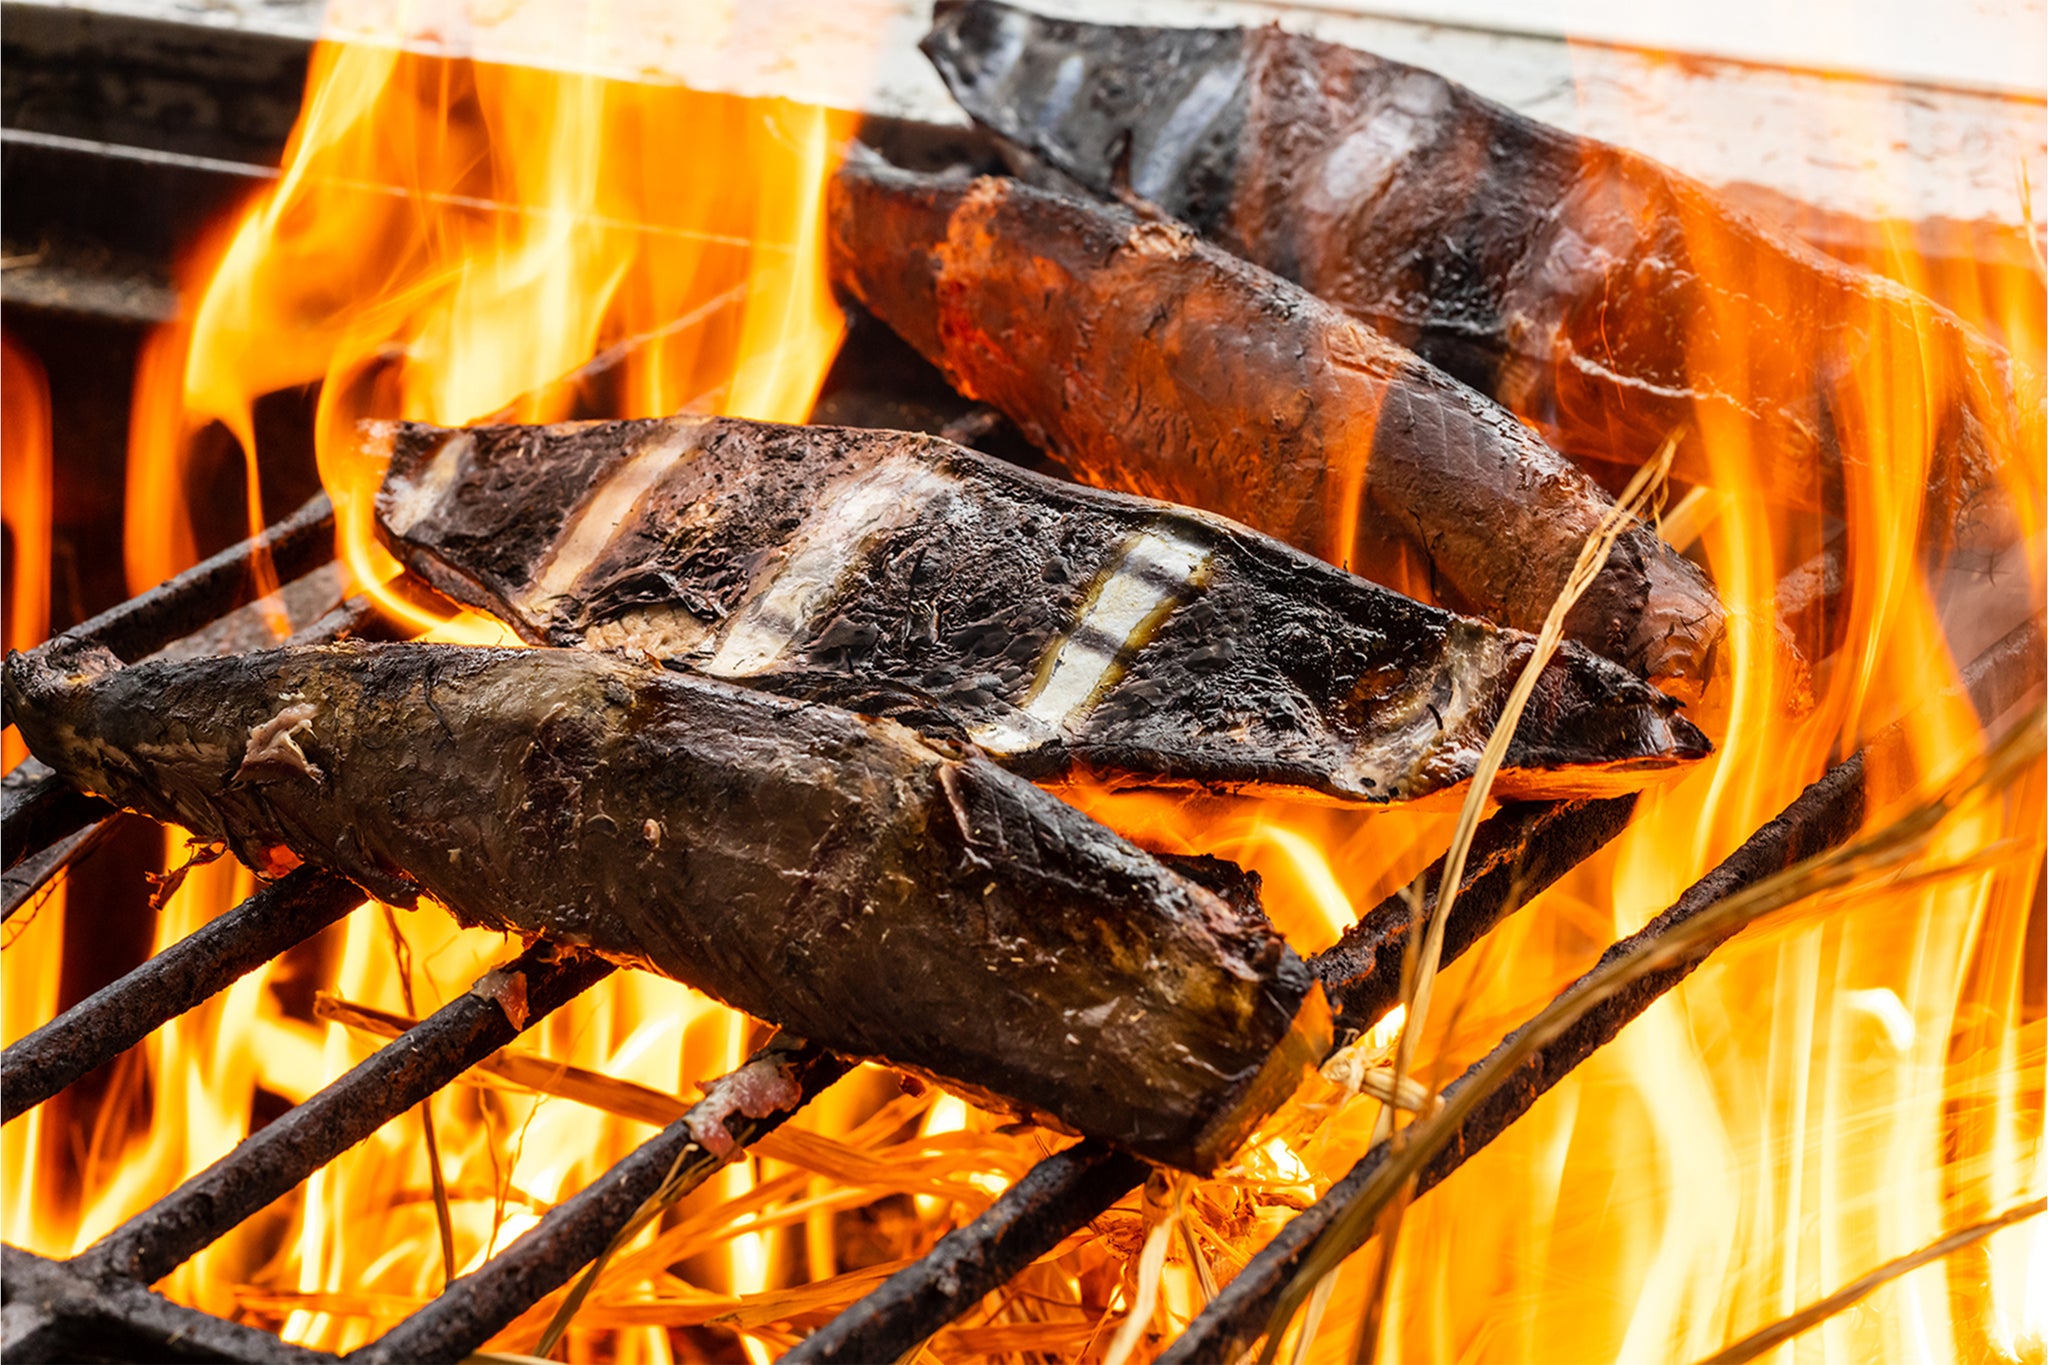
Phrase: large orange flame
(453, 241)
(448, 241)
(35, 943)
(25, 458)
(1791, 1116)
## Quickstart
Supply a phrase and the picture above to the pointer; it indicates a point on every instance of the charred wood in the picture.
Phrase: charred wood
(38, 808)
(276, 1158)
(1519, 850)
(124, 1012)
(1032, 1217)
(1569, 279)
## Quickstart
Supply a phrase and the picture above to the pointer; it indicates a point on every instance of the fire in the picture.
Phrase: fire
(449, 241)
(452, 241)
(25, 448)
(1823, 1097)
(156, 539)
(34, 946)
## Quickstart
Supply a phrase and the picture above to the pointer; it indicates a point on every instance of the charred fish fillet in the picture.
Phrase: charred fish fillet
(1581, 285)
(1153, 363)
(862, 886)
(1061, 628)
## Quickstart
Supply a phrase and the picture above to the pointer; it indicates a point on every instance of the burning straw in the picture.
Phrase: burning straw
(1849, 1295)
(1887, 852)
(1419, 966)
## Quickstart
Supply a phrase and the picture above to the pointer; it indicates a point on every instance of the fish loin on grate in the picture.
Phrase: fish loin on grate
(1597, 293)
(1152, 362)
(879, 893)
(1063, 629)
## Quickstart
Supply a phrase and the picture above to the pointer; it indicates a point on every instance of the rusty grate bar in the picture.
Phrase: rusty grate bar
(574, 1232)
(55, 1313)
(38, 809)
(356, 617)
(1516, 852)
(1561, 835)
(214, 587)
(30, 875)
(101, 1296)
(124, 1012)
(1822, 816)
(276, 1158)
(1032, 1217)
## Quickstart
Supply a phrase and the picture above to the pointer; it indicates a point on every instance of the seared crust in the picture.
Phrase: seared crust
(1604, 297)
(1152, 362)
(844, 878)
(1064, 629)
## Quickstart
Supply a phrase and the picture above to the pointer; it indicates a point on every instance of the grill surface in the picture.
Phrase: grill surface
(99, 1302)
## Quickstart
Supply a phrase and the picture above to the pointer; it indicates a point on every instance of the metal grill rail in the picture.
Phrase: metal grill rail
(38, 809)
(575, 1232)
(189, 972)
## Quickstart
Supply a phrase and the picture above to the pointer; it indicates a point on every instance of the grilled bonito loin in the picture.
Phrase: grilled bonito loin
(1059, 627)
(1153, 363)
(1600, 295)
(845, 878)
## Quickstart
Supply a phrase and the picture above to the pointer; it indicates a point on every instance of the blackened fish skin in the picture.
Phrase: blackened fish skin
(1154, 363)
(1059, 627)
(845, 878)
(1600, 295)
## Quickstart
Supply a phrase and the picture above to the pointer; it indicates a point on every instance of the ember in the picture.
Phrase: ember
(1360, 980)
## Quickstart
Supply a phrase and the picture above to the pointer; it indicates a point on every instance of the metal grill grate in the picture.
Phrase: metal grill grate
(98, 1305)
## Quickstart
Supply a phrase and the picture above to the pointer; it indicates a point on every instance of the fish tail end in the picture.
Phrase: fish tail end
(883, 230)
